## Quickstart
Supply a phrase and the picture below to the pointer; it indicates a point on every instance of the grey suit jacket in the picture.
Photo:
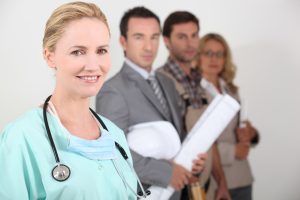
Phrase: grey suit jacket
(127, 99)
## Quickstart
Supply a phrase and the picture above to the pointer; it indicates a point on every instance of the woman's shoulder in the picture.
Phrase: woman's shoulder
(24, 124)
(112, 127)
(234, 93)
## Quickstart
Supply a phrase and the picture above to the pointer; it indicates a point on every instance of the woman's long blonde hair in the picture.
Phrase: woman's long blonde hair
(229, 70)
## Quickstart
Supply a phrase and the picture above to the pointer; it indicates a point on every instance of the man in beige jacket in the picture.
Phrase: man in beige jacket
(181, 37)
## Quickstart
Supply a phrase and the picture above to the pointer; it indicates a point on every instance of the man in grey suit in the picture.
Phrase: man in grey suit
(128, 99)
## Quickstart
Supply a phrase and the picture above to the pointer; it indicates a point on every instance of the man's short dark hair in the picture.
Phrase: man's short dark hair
(178, 17)
(139, 12)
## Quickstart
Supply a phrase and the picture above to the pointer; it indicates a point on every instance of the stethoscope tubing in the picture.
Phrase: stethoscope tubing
(52, 144)
(59, 167)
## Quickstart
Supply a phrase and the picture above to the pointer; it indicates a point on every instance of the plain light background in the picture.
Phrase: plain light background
(263, 35)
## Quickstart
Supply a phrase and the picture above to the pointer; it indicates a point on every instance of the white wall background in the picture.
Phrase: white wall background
(264, 36)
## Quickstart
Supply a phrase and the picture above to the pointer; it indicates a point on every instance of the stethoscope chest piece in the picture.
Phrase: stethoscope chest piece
(61, 172)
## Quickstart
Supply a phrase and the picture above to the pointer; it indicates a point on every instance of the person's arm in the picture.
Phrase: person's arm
(14, 183)
(111, 104)
(255, 139)
(248, 134)
(218, 174)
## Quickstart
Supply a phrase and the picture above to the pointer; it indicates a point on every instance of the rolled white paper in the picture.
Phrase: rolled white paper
(206, 130)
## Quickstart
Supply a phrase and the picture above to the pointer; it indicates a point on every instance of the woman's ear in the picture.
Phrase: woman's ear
(49, 58)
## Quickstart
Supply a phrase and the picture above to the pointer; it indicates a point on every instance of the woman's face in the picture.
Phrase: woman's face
(212, 58)
(81, 58)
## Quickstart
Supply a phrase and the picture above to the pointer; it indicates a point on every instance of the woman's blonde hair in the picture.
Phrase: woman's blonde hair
(63, 15)
(229, 70)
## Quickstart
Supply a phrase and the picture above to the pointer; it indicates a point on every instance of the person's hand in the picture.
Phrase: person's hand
(198, 167)
(242, 150)
(199, 163)
(246, 133)
(180, 177)
(222, 193)
(193, 179)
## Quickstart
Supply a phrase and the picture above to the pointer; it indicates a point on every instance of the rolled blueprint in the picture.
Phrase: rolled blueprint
(204, 133)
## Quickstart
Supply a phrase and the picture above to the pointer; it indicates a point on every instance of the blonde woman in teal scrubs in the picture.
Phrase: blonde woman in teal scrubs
(62, 149)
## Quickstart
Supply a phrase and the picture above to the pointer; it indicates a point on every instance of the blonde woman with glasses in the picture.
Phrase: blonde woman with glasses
(218, 71)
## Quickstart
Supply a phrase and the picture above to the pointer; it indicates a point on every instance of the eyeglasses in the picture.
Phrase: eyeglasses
(210, 54)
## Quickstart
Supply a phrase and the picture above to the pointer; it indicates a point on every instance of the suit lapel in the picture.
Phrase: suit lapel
(144, 87)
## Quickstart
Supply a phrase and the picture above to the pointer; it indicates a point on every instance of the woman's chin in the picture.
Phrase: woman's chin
(89, 93)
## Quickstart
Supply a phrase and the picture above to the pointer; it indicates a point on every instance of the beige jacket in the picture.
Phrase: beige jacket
(191, 116)
(237, 172)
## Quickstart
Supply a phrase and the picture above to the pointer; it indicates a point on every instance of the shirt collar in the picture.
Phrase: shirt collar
(144, 73)
(211, 88)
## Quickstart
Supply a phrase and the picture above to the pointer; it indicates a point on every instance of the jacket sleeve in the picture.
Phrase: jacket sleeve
(111, 104)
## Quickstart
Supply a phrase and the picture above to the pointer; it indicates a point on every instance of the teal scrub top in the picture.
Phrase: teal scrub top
(27, 160)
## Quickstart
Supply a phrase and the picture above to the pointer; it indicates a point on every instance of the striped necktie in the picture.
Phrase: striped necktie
(159, 94)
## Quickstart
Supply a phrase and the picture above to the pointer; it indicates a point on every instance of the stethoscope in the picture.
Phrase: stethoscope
(62, 172)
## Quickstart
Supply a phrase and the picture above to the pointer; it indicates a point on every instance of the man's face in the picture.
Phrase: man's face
(183, 42)
(142, 42)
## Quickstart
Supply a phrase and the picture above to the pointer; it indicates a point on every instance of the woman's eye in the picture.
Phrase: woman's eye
(77, 52)
(102, 51)
(155, 37)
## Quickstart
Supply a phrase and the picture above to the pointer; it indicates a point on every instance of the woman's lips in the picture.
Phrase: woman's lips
(89, 79)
